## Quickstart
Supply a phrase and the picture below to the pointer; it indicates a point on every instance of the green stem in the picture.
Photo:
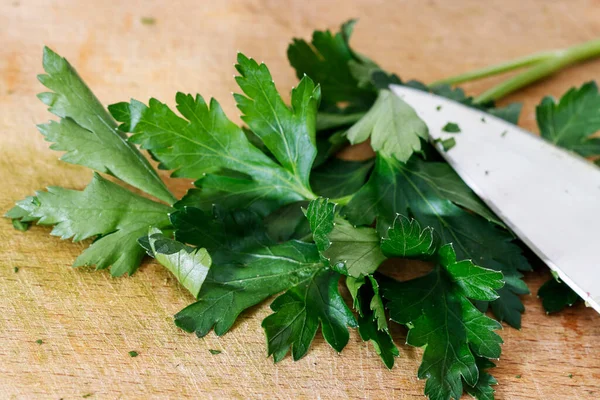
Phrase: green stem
(546, 68)
(541, 65)
(498, 69)
(342, 201)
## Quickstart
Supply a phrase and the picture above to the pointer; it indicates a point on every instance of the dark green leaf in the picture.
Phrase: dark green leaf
(249, 278)
(483, 388)
(571, 122)
(406, 239)
(338, 178)
(299, 311)
(557, 295)
(437, 310)
(326, 60)
(408, 189)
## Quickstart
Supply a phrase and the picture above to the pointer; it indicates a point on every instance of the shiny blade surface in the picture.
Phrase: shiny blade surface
(548, 196)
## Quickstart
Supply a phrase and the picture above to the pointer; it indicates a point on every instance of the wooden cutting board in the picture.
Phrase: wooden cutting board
(88, 321)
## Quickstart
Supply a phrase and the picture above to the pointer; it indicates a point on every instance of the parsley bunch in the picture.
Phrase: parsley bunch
(274, 213)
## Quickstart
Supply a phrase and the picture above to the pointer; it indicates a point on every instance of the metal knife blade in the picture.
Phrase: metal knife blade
(549, 197)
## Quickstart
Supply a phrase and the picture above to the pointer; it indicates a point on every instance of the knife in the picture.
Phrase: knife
(548, 196)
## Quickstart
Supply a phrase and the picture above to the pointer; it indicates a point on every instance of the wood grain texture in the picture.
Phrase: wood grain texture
(88, 321)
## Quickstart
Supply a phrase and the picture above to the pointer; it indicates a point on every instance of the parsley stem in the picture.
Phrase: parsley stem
(546, 68)
(541, 65)
(342, 201)
(498, 68)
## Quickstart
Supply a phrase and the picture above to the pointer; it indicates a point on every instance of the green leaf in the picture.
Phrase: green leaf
(556, 295)
(409, 189)
(231, 193)
(440, 317)
(189, 265)
(338, 178)
(246, 280)
(394, 127)
(289, 133)
(113, 214)
(288, 223)
(571, 121)
(353, 251)
(372, 323)
(87, 132)
(451, 127)
(483, 388)
(326, 60)
(205, 141)
(298, 313)
(320, 214)
(231, 231)
(406, 239)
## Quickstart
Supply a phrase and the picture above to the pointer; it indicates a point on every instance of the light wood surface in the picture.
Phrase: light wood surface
(88, 321)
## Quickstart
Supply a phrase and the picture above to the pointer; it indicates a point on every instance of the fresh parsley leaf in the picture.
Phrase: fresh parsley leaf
(571, 121)
(406, 239)
(451, 127)
(299, 311)
(20, 225)
(394, 127)
(372, 323)
(483, 390)
(289, 133)
(350, 250)
(87, 132)
(288, 223)
(447, 144)
(440, 317)
(556, 295)
(327, 60)
(338, 178)
(133, 353)
(214, 352)
(189, 265)
(249, 267)
(205, 141)
(246, 280)
(39, 341)
(412, 189)
(105, 210)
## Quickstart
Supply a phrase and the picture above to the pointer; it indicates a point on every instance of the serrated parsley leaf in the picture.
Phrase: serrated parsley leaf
(483, 388)
(571, 121)
(408, 189)
(205, 141)
(353, 251)
(441, 318)
(246, 280)
(372, 323)
(299, 311)
(393, 126)
(406, 239)
(327, 60)
(189, 265)
(249, 267)
(289, 133)
(113, 214)
(556, 295)
(87, 132)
